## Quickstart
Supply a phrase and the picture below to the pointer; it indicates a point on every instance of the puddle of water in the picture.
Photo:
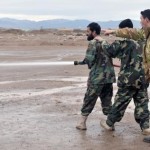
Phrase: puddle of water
(25, 94)
(80, 83)
(52, 78)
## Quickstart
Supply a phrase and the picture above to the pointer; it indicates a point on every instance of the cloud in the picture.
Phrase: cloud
(73, 9)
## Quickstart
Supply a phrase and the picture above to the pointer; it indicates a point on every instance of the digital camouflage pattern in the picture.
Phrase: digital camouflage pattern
(131, 82)
(142, 36)
(100, 64)
(130, 53)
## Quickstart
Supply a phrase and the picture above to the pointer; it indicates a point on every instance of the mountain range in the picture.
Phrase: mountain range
(57, 23)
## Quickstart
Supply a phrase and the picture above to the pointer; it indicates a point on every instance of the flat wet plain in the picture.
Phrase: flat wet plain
(40, 106)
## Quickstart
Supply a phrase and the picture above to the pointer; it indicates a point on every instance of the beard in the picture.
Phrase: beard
(90, 37)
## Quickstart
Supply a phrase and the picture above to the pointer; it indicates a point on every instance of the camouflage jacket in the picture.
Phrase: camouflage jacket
(100, 64)
(142, 36)
(130, 53)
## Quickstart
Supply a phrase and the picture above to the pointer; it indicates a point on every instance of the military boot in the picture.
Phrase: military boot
(82, 124)
(146, 131)
(105, 126)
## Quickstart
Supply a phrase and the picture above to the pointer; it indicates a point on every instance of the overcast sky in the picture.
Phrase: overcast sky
(93, 10)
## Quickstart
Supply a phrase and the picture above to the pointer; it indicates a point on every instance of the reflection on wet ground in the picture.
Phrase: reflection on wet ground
(40, 106)
(74, 83)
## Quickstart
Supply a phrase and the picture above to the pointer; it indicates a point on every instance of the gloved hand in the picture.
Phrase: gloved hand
(75, 62)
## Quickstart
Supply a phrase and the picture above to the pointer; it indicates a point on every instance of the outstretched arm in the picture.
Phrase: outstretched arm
(116, 49)
(129, 33)
(89, 57)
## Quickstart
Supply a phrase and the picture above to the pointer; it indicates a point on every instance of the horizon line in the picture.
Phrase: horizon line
(21, 19)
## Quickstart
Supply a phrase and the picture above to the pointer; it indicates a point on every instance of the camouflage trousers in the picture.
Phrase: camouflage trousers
(123, 98)
(104, 92)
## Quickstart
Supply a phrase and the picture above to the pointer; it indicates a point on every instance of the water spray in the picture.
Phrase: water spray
(37, 63)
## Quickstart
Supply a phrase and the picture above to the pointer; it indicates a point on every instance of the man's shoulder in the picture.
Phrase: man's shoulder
(92, 42)
(95, 41)
(91, 45)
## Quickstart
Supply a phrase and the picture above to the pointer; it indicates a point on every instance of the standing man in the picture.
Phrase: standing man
(131, 83)
(142, 35)
(101, 76)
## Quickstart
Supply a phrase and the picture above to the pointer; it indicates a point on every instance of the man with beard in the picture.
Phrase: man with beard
(101, 76)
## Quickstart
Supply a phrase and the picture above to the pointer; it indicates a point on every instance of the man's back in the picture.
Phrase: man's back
(102, 70)
(130, 53)
(140, 36)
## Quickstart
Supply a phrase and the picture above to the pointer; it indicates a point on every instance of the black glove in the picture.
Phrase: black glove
(75, 62)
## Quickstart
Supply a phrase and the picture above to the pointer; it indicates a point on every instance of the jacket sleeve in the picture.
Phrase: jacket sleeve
(83, 62)
(115, 49)
(147, 47)
(129, 33)
(90, 54)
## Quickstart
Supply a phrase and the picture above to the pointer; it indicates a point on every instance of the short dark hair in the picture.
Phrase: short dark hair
(127, 23)
(146, 13)
(95, 27)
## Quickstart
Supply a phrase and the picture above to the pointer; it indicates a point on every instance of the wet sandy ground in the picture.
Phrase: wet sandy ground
(40, 105)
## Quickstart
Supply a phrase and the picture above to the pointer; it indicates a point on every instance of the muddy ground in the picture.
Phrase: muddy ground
(40, 105)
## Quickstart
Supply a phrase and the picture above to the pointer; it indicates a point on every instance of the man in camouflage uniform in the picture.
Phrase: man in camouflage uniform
(101, 76)
(131, 83)
(142, 35)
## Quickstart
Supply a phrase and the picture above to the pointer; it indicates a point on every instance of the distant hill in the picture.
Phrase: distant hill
(56, 23)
